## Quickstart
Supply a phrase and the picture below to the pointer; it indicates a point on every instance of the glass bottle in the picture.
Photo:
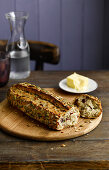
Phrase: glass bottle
(18, 46)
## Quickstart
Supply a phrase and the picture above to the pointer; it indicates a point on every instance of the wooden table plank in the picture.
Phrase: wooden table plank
(88, 151)
(74, 154)
(80, 165)
(41, 151)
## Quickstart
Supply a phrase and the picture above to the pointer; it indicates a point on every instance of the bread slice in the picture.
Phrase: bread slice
(43, 106)
(89, 106)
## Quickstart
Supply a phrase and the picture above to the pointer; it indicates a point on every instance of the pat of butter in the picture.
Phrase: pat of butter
(77, 82)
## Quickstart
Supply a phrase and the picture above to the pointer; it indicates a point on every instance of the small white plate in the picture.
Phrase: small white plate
(92, 85)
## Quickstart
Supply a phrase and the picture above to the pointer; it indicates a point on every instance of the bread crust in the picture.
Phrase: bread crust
(44, 94)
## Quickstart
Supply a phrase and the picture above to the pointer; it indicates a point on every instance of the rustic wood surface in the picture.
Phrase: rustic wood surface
(18, 124)
(86, 152)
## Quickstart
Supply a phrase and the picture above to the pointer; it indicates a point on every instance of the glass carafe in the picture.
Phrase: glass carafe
(18, 46)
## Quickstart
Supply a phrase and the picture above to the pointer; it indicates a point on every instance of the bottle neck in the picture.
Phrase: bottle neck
(17, 41)
(17, 29)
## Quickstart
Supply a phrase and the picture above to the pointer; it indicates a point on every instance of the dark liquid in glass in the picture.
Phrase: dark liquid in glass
(4, 69)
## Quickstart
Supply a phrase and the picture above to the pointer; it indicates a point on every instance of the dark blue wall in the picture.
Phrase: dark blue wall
(76, 26)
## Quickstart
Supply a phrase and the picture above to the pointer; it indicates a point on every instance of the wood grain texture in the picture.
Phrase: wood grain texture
(49, 23)
(76, 26)
(93, 34)
(72, 21)
(84, 152)
(74, 153)
(14, 122)
(57, 166)
(5, 7)
(31, 26)
(106, 35)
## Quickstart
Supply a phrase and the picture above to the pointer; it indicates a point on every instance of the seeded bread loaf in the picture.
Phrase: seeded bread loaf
(43, 106)
(89, 106)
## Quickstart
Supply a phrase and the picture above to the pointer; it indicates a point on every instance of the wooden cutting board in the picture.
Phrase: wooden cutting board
(17, 123)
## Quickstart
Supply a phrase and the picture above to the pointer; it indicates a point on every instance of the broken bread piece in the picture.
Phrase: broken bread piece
(89, 106)
(43, 106)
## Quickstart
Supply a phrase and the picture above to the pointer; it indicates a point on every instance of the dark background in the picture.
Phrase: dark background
(79, 27)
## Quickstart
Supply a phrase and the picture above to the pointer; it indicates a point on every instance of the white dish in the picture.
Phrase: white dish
(92, 85)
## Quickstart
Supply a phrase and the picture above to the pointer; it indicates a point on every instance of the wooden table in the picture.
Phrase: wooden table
(86, 152)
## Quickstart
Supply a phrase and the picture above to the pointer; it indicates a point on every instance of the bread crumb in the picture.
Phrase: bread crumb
(63, 145)
(51, 148)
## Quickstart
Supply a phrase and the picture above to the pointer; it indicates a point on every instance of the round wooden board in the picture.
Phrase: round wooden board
(17, 123)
